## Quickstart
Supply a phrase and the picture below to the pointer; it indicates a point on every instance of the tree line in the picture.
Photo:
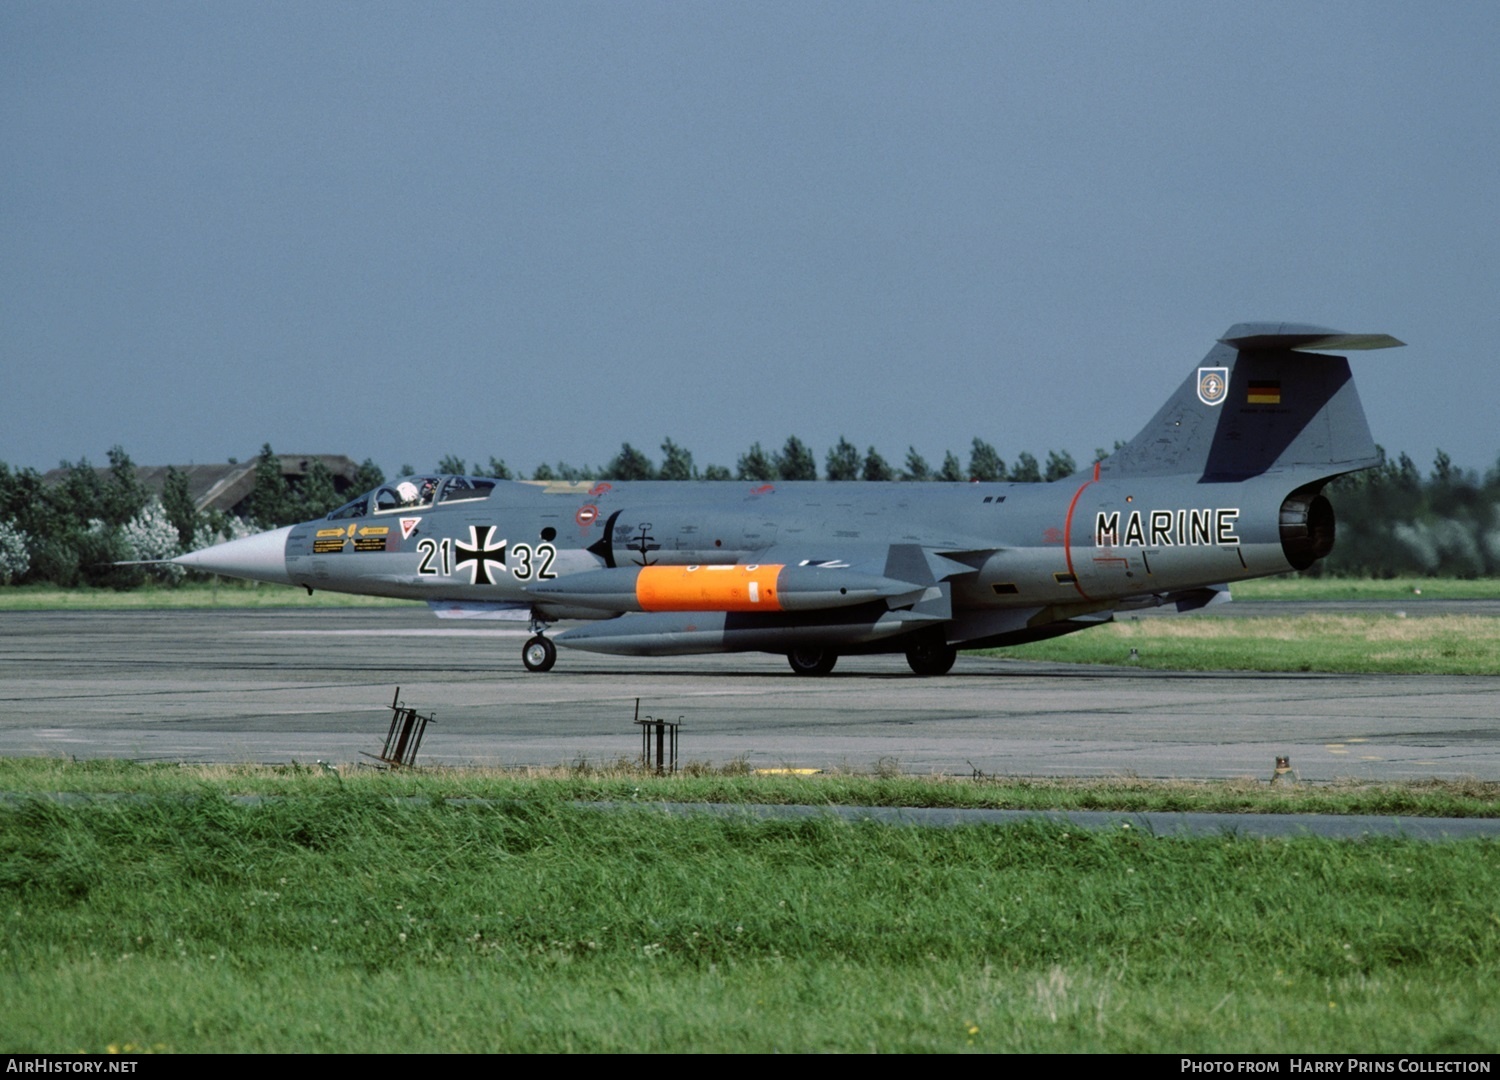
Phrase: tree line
(77, 531)
(1395, 522)
(794, 461)
(1392, 520)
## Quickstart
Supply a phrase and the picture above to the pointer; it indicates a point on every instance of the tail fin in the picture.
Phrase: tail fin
(1261, 401)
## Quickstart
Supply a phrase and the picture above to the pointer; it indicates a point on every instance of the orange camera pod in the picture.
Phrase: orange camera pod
(748, 587)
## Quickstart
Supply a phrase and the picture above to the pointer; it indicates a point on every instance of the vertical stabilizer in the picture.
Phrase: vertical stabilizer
(1261, 401)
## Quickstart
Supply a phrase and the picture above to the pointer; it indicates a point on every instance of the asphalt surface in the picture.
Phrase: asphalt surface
(278, 686)
(1151, 822)
(1154, 823)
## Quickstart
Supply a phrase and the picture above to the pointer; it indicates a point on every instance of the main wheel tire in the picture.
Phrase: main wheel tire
(539, 654)
(931, 659)
(812, 661)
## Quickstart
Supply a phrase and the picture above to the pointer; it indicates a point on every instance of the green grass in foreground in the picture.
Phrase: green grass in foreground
(1436, 645)
(623, 782)
(343, 922)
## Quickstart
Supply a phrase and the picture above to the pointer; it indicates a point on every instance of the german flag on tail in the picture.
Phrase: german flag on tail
(1264, 392)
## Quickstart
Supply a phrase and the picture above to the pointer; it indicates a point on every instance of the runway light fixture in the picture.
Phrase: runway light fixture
(666, 741)
(404, 738)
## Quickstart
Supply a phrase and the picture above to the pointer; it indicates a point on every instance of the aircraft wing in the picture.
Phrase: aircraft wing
(786, 579)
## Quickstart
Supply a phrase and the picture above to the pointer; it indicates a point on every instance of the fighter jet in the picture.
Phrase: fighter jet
(1224, 483)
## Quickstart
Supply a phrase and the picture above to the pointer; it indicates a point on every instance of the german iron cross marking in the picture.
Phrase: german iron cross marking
(478, 554)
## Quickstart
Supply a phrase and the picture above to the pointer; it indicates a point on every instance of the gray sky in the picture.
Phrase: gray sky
(538, 230)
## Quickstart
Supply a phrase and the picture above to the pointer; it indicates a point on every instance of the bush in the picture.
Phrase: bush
(151, 535)
(99, 548)
(54, 559)
(15, 559)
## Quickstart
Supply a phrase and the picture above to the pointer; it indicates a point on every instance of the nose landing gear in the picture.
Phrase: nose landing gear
(538, 654)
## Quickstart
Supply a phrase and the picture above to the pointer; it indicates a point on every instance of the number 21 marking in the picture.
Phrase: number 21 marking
(429, 549)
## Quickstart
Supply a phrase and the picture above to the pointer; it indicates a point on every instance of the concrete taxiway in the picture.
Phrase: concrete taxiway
(289, 685)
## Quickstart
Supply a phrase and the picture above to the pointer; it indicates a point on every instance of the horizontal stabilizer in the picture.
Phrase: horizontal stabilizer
(1303, 338)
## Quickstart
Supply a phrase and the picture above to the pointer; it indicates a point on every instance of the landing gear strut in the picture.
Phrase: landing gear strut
(538, 654)
(812, 661)
(931, 658)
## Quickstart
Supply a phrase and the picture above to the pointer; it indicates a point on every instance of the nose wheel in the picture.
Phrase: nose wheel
(539, 654)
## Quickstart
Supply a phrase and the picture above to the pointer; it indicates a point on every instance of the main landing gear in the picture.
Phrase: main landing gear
(931, 658)
(928, 658)
(812, 661)
(538, 654)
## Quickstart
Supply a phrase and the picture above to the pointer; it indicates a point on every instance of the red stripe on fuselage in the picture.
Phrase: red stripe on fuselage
(1068, 533)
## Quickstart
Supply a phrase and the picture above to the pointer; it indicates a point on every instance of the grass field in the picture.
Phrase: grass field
(1433, 645)
(333, 919)
(624, 782)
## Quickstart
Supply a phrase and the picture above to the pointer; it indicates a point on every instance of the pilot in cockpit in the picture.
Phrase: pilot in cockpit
(418, 491)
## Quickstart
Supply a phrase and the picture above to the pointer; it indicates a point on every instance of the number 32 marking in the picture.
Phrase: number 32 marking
(536, 561)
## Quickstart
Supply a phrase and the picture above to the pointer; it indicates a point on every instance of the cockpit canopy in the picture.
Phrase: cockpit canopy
(408, 493)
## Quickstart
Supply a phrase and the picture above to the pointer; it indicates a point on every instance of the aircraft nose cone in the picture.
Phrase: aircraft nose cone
(261, 557)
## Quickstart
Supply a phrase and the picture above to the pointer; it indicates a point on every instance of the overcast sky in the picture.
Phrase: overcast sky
(537, 230)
